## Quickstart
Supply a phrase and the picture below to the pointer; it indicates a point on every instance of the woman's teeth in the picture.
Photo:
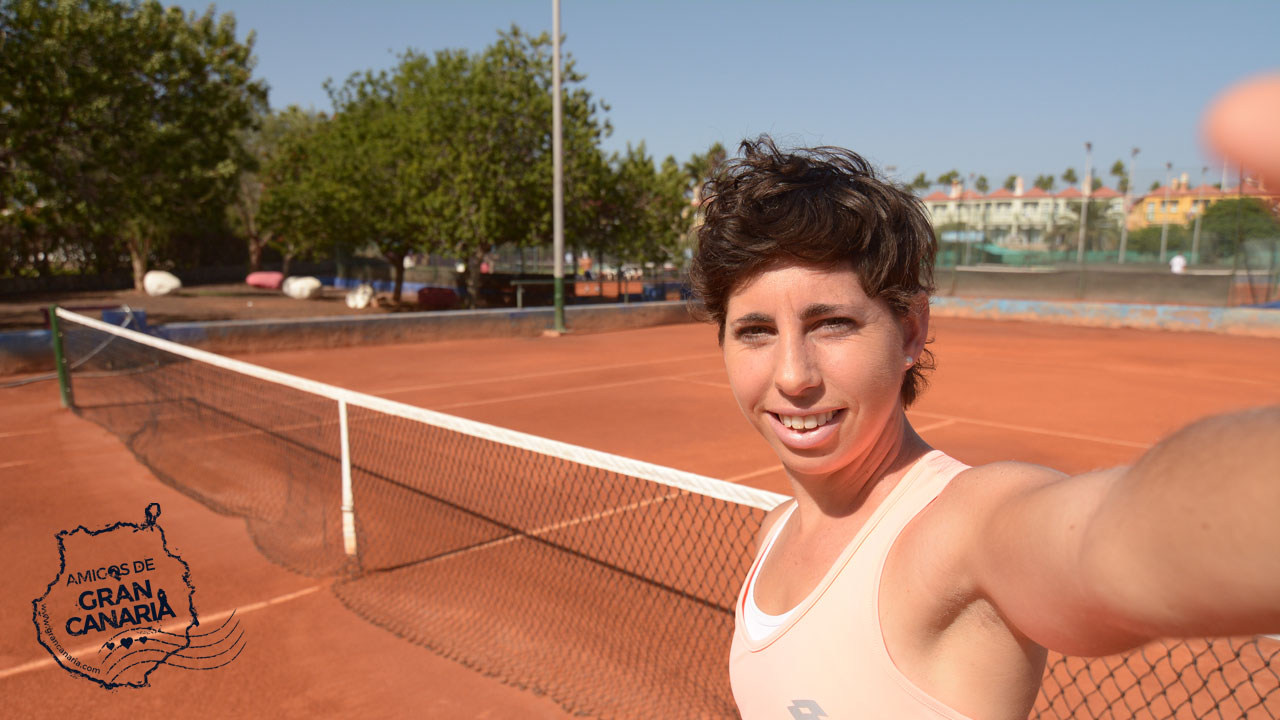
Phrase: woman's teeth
(807, 422)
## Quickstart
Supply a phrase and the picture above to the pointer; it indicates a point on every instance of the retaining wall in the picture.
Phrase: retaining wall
(30, 351)
(1098, 283)
(1256, 322)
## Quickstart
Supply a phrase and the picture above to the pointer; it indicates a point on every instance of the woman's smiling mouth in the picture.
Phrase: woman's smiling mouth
(802, 432)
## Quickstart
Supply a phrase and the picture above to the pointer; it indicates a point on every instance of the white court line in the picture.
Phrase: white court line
(567, 391)
(171, 627)
(545, 373)
(1036, 430)
(1130, 369)
(721, 386)
(549, 393)
(264, 433)
(20, 433)
(936, 425)
(556, 526)
(754, 473)
(16, 463)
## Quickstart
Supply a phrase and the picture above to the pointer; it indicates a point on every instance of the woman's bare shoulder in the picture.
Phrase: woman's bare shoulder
(996, 482)
(767, 524)
(971, 498)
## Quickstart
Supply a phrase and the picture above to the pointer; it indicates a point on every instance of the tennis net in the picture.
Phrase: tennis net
(603, 582)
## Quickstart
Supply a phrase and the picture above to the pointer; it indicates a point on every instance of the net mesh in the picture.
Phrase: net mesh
(610, 591)
(1220, 678)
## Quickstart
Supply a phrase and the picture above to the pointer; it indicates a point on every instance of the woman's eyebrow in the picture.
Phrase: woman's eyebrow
(820, 309)
(753, 317)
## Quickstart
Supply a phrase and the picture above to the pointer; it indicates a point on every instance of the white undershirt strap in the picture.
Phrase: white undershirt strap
(757, 623)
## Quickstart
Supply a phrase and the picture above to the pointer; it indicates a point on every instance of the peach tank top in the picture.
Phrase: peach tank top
(827, 658)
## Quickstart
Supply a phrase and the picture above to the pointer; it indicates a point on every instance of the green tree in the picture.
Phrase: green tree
(921, 182)
(1155, 185)
(1045, 182)
(1147, 240)
(122, 119)
(698, 170)
(700, 167)
(451, 153)
(488, 116)
(947, 178)
(262, 145)
(649, 224)
(380, 166)
(1069, 176)
(296, 204)
(1228, 224)
(981, 184)
(1103, 231)
(1010, 183)
(1121, 174)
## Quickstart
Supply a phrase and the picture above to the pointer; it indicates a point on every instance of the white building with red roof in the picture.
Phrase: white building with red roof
(1025, 219)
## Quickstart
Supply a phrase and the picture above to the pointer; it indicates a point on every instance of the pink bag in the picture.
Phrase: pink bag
(266, 279)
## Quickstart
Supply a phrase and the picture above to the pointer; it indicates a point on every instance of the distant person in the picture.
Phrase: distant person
(899, 582)
(1178, 264)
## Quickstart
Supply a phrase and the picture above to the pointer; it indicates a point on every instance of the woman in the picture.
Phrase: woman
(900, 583)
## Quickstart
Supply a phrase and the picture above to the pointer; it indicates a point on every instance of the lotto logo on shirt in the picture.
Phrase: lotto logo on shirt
(801, 709)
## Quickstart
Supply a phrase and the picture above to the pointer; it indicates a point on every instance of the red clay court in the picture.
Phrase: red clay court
(1067, 397)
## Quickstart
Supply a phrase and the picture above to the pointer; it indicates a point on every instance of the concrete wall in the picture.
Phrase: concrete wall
(30, 351)
(1234, 321)
(1094, 283)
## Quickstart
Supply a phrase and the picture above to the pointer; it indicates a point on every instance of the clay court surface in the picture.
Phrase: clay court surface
(1071, 398)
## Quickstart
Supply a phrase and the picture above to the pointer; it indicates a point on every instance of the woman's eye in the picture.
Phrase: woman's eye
(752, 333)
(839, 324)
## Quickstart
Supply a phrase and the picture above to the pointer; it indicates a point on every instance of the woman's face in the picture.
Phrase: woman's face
(816, 365)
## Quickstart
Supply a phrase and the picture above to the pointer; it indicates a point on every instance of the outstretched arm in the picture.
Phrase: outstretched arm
(1188, 539)
(1185, 542)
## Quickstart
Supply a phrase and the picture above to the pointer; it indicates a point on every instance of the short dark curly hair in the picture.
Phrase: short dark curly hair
(822, 206)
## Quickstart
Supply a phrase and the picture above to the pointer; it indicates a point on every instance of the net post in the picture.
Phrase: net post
(559, 303)
(348, 500)
(60, 359)
(557, 163)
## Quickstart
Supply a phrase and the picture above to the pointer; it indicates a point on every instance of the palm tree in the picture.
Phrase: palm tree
(1121, 174)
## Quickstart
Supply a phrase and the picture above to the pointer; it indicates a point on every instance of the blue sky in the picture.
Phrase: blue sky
(991, 88)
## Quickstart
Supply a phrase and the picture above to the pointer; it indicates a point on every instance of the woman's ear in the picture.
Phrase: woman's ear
(915, 327)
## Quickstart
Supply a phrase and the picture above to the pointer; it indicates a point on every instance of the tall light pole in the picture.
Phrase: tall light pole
(557, 153)
(1199, 210)
(1084, 203)
(1128, 187)
(1164, 213)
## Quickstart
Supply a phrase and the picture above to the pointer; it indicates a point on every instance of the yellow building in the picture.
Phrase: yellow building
(1178, 203)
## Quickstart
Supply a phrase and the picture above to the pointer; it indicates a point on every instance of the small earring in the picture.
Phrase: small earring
(910, 361)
